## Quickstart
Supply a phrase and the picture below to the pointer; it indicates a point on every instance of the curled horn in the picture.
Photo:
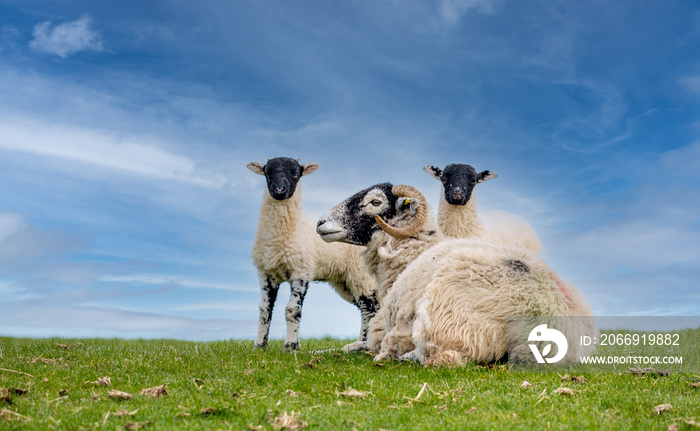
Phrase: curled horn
(418, 220)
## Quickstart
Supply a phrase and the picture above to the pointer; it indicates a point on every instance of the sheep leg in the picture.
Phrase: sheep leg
(269, 287)
(368, 305)
(293, 313)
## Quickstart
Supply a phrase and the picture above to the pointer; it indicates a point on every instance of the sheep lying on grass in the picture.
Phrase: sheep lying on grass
(458, 218)
(451, 302)
(286, 248)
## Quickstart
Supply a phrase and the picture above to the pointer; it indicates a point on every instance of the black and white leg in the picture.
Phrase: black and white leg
(368, 305)
(269, 287)
(293, 312)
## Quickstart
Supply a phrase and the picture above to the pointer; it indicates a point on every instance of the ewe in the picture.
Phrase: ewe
(287, 249)
(452, 298)
(457, 216)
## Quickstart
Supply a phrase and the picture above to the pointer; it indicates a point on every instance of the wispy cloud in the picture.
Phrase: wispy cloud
(684, 161)
(22, 243)
(692, 83)
(102, 149)
(66, 39)
(160, 279)
(452, 11)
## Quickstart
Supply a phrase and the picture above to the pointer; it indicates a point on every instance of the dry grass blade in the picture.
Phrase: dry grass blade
(312, 363)
(289, 422)
(120, 395)
(101, 381)
(43, 360)
(662, 408)
(564, 391)
(155, 392)
(11, 416)
(525, 384)
(130, 426)
(122, 413)
(18, 372)
(72, 346)
(645, 371)
(350, 393)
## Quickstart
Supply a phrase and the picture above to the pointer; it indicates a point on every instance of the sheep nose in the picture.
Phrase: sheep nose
(279, 189)
(320, 223)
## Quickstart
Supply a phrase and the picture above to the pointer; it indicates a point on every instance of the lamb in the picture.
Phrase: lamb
(458, 218)
(453, 301)
(287, 249)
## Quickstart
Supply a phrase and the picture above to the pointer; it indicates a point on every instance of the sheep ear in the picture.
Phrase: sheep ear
(256, 167)
(309, 168)
(485, 176)
(434, 171)
(407, 204)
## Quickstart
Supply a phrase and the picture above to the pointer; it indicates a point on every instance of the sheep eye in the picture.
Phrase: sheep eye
(444, 180)
(376, 203)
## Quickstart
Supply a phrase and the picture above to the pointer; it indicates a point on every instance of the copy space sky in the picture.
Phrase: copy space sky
(126, 209)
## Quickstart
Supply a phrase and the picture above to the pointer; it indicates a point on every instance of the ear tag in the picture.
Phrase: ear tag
(407, 202)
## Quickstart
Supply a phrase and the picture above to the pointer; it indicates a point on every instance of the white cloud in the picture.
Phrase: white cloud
(66, 39)
(22, 242)
(135, 155)
(227, 306)
(684, 161)
(11, 291)
(94, 321)
(452, 11)
(692, 83)
(174, 279)
(10, 223)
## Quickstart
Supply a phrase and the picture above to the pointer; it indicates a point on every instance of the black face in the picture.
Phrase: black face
(459, 181)
(352, 221)
(282, 175)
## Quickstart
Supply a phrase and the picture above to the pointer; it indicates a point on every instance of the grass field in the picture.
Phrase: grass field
(66, 384)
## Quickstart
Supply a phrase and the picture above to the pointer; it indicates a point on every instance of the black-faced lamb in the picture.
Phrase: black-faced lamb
(286, 248)
(452, 298)
(457, 212)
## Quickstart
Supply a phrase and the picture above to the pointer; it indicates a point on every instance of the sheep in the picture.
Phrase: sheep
(451, 302)
(384, 266)
(286, 248)
(457, 215)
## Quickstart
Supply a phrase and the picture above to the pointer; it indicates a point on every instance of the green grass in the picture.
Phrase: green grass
(228, 385)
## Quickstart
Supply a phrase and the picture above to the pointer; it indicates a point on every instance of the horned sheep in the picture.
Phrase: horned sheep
(453, 300)
(286, 248)
(457, 212)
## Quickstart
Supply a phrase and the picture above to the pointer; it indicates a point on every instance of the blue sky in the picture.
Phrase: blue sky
(126, 209)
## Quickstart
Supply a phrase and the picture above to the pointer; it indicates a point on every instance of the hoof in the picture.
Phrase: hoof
(413, 356)
(357, 346)
(382, 357)
(260, 345)
(291, 347)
